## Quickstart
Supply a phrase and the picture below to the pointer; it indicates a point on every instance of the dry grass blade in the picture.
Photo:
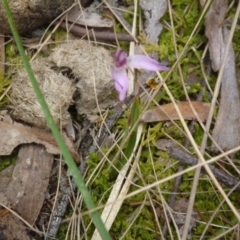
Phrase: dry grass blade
(119, 191)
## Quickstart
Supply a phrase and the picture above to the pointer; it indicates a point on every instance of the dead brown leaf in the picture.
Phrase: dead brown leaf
(168, 111)
(27, 189)
(15, 134)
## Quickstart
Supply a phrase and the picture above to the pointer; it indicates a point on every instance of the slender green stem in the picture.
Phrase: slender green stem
(68, 158)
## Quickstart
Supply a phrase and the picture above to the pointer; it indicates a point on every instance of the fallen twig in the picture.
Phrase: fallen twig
(186, 158)
(96, 34)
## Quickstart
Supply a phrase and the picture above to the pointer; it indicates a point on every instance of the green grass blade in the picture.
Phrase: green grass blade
(134, 116)
(68, 158)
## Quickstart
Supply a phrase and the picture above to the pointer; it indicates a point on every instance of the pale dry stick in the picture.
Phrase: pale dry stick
(119, 192)
(166, 209)
(130, 176)
(158, 188)
(131, 50)
(5, 92)
(204, 141)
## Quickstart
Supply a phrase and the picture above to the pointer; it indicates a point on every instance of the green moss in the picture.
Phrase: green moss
(6, 161)
(4, 83)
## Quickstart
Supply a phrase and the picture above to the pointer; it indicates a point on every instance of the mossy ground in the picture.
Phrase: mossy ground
(138, 218)
(136, 211)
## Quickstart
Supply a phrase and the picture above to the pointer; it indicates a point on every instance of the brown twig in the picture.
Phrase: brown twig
(95, 34)
(186, 158)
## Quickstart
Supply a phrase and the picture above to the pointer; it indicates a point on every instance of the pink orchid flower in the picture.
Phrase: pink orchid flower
(122, 62)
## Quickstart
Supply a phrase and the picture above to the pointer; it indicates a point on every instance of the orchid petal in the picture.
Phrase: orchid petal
(145, 62)
(120, 58)
(120, 78)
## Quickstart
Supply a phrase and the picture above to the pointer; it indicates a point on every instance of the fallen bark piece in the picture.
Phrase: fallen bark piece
(27, 189)
(168, 111)
(15, 134)
(213, 30)
(153, 11)
(226, 132)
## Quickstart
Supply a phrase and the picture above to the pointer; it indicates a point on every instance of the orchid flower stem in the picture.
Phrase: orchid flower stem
(67, 156)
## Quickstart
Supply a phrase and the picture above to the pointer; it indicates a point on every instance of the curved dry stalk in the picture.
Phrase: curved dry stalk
(119, 192)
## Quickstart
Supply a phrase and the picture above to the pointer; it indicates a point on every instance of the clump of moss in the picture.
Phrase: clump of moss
(4, 83)
(6, 161)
